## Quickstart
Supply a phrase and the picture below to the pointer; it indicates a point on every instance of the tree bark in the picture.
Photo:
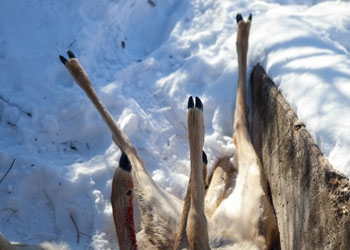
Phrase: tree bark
(310, 198)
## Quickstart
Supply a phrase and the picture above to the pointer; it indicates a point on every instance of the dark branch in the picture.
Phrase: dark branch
(8, 170)
(76, 228)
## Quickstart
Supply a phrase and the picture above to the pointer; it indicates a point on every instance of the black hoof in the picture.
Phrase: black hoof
(239, 17)
(124, 162)
(63, 60)
(190, 103)
(70, 54)
(204, 158)
(199, 104)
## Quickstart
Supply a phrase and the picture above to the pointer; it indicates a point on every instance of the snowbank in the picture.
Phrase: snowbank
(145, 61)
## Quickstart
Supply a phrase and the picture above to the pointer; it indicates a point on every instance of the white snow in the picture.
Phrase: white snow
(64, 155)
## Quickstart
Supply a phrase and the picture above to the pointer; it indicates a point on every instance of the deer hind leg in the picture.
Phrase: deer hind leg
(160, 211)
(221, 183)
(197, 228)
(250, 179)
(181, 241)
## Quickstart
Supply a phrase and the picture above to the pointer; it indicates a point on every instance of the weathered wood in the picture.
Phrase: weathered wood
(310, 198)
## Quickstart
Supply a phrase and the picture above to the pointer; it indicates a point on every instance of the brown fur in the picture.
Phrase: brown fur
(197, 229)
(181, 237)
(161, 211)
(122, 204)
(6, 245)
(181, 240)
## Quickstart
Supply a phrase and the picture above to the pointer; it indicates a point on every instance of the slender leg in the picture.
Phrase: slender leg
(221, 183)
(197, 228)
(181, 241)
(250, 179)
(241, 134)
(160, 210)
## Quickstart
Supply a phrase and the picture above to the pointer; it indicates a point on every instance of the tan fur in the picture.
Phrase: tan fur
(253, 225)
(222, 182)
(122, 202)
(197, 229)
(181, 240)
(206, 217)
(181, 237)
(160, 211)
(246, 155)
(6, 245)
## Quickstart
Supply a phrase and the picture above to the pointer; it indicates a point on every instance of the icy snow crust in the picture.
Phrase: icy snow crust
(145, 61)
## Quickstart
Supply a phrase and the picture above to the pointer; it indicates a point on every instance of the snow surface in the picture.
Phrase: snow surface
(145, 61)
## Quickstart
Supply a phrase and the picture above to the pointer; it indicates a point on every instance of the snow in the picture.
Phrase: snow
(145, 61)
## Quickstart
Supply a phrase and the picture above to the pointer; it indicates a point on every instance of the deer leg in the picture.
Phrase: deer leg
(160, 210)
(5, 244)
(122, 205)
(181, 240)
(250, 179)
(197, 228)
(221, 183)
(82, 79)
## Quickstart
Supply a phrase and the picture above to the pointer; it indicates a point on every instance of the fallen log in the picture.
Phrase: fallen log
(311, 199)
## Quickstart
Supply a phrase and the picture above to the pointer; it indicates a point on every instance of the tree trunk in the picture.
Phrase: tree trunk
(310, 198)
